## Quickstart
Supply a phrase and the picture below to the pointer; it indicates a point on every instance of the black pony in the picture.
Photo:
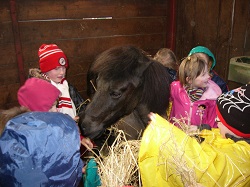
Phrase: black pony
(124, 85)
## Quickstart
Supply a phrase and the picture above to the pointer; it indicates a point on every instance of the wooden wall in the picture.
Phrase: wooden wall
(82, 29)
(85, 28)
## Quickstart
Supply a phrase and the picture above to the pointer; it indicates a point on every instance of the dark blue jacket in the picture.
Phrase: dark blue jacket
(40, 149)
(219, 81)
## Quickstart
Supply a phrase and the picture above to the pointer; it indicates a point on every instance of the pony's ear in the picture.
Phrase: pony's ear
(144, 64)
(141, 68)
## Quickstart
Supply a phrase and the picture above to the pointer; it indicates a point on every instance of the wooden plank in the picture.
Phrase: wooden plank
(86, 48)
(223, 37)
(6, 35)
(4, 11)
(77, 9)
(78, 29)
(240, 29)
(9, 76)
(185, 24)
(7, 53)
(8, 96)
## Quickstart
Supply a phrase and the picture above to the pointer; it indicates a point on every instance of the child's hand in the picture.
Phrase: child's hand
(87, 143)
(76, 119)
(192, 128)
(84, 169)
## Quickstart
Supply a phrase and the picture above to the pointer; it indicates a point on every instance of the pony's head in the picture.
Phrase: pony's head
(121, 81)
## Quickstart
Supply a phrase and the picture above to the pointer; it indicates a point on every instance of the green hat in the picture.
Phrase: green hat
(202, 49)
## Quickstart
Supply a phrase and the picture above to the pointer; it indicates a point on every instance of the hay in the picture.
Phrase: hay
(189, 130)
(120, 166)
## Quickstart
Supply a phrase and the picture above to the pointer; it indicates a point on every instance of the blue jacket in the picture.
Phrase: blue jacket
(40, 149)
(219, 81)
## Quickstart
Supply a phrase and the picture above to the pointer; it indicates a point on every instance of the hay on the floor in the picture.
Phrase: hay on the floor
(120, 166)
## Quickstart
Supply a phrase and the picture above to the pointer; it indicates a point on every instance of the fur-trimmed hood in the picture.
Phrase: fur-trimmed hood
(35, 72)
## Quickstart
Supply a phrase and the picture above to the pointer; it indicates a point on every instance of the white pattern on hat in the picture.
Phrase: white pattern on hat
(237, 100)
(43, 55)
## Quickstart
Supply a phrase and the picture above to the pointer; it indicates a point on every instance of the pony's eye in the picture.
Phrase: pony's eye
(115, 95)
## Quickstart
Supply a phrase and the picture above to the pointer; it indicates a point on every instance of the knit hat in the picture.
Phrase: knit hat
(51, 57)
(37, 95)
(202, 49)
(233, 110)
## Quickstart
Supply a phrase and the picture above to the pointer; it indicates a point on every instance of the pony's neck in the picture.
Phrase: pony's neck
(142, 111)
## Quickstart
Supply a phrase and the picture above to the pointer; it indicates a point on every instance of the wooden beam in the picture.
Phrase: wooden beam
(18, 48)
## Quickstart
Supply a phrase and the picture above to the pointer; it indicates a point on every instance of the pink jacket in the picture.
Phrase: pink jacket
(201, 111)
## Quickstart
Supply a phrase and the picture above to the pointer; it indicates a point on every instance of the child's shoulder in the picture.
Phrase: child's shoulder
(175, 84)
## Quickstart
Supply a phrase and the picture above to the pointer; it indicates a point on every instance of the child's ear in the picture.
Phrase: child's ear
(188, 80)
(209, 65)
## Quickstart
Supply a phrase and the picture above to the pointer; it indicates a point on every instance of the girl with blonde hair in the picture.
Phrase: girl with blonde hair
(194, 96)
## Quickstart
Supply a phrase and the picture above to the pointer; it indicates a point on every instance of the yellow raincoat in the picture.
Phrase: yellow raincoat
(168, 157)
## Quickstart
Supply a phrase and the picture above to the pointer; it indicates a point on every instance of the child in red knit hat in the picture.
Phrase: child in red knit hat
(53, 64)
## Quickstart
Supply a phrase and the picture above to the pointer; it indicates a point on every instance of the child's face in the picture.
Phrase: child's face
(202, 80)
(57, 74)
(223, 129)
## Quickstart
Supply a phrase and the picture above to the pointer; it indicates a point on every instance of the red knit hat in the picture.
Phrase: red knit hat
(233, 110)
(51, 57)
(37, 95)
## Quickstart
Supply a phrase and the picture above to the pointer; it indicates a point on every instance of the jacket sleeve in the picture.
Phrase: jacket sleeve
(76, 98)
(176, 159)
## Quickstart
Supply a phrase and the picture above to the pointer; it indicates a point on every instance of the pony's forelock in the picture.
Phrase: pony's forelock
(119, 63)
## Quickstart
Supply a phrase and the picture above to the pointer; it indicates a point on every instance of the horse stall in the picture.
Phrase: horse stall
(83, 29)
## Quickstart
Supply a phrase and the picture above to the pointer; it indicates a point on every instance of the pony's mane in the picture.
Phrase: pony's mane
(156, 89)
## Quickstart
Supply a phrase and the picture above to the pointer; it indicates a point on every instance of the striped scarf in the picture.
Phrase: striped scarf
(194, 93)
(65, 104)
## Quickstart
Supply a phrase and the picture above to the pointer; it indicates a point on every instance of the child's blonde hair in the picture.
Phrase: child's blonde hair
(167, 58)
(191, 67)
